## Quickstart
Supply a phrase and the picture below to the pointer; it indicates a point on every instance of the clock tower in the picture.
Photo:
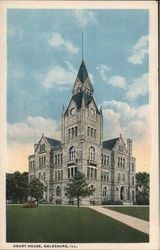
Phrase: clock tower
(82, 135)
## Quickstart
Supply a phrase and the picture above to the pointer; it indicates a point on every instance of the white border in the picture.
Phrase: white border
(153, 88)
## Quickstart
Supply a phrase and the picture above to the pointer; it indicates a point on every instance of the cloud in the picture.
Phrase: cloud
(139, 51)
(132, 122)
(15, 72)
(84, 17)
(57, 41)
(31, 129)
(60, 76)
(103, 69)
(138, 87)
(117, 81)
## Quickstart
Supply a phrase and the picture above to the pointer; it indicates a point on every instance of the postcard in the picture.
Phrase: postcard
(79, 125)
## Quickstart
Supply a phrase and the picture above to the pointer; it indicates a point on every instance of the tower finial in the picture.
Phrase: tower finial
(82, 45)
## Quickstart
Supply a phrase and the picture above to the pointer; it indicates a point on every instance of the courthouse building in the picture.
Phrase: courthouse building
(108, 165)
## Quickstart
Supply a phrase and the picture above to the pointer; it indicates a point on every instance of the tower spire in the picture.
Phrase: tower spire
(82, 45)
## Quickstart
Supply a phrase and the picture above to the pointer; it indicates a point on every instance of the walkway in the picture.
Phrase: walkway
(136, 223)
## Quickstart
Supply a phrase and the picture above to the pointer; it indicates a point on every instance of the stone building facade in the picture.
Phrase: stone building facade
(108, 165)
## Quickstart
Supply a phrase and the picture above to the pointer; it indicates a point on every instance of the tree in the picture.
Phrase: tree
(17, 187)
(78, 187)
(142, 185)
(36, 189)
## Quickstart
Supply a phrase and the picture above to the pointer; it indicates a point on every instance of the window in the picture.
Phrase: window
(118, 161)
(61, 158)
(58, 158)
(132, 180)
(92, 153)
(107, 159)
(91, 132)
(42, 147)
(44, 161)
(91, 172)
(88, 172)
(55, 175)
(68, 173)
(88, 131)
(72, 132)
(55, 159)
(107, 176)
(76, 131)
(104, 192)
(58, 191)
(123, 177)
(69, 133)
(72, 153)
(118, 177)
(94, 133)
(132, 167)
(104, 160)
(95, 176)
(123, 163)
(104, 175)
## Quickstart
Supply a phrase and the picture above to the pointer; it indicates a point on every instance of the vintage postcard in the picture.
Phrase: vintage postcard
(79, 125)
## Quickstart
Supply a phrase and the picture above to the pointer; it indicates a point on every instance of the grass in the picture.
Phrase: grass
(66, 225)
(138, 212)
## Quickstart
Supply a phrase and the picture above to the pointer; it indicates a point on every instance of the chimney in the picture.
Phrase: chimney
(129, 146)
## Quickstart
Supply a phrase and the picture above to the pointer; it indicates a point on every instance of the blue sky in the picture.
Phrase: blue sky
(44, 55)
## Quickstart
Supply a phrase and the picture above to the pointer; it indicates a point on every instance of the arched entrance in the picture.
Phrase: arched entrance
(122, 193)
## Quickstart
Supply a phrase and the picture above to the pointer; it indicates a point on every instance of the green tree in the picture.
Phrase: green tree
(17, 187)
(142, 182)
(78, 187)
(36, 189)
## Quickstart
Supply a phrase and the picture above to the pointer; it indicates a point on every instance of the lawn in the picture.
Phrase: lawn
(138, 212)
(67, 225)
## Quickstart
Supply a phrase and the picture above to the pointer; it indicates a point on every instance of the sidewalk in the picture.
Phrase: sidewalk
(133, 222)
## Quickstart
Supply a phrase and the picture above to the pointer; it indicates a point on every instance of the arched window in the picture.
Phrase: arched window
(104, 192)
(72, 153)
(92, 153)
(58, 191)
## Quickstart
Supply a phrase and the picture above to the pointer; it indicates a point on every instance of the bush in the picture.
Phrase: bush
(110, 202)
(30, 204)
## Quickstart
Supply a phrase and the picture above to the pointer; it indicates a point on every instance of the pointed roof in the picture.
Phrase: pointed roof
(77, 98)
(110, 143)
(53, 142)
(82, 74)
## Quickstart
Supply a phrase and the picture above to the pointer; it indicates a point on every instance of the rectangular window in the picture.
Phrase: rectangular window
(95, 174)
(76, 131)
(69, 133)
(102, 176)
(61, 174)
(75, 170)
(61, 158)
(88, 131)
(132, 180)
(118, 177)
(71, 172)
(55, 175)
(68, 173)
(105, 176)
(108, 160)
(55, 159)
(118, 161)
(91, 172)
(94, 133)
(123, 177)
(72, 132)
(58, 158)
(123, 163)
(104, 159)
(132, 167)
(91, 132)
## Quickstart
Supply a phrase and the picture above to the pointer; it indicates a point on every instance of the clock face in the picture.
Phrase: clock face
(92, 112)
(73, 111)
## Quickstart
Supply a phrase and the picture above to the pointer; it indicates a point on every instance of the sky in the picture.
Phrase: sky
(44, 52)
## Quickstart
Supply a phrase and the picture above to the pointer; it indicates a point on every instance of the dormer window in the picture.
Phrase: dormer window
(42, 147)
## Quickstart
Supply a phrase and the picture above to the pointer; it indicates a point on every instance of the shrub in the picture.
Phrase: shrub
(30, 204)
